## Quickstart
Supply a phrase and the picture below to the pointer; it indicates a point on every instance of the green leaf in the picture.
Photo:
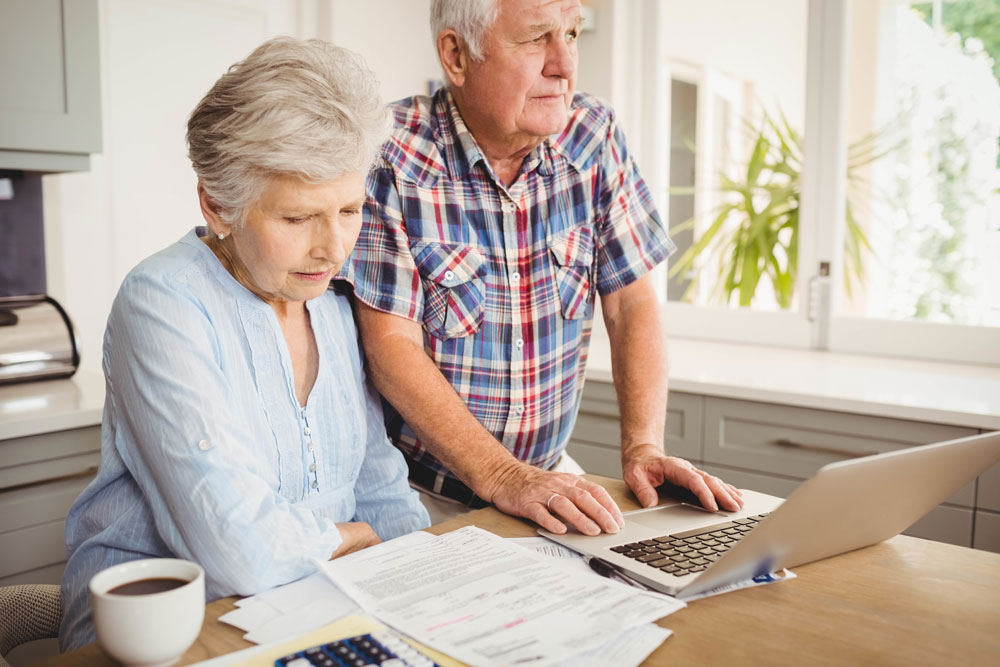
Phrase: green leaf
(757, 158)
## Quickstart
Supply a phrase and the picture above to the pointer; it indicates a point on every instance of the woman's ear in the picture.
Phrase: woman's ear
(453, 56)
(210, 211)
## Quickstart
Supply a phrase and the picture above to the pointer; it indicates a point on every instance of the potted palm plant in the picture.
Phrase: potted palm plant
(755, 231)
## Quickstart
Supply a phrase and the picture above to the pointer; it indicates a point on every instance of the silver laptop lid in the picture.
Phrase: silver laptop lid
(852, 504)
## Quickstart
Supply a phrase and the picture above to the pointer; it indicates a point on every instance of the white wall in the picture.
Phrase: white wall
(158, 59)
(763, 41)
(394, 36)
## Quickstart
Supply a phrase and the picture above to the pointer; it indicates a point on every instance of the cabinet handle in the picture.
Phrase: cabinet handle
(785, 442)
(90, 471)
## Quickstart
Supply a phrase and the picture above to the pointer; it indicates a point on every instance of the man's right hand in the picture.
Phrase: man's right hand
(355, 536)
(549, 498)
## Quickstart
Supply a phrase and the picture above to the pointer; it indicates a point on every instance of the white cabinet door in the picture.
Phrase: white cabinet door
(50, 89)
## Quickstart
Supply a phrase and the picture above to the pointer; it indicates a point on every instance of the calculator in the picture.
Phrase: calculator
(383, 648)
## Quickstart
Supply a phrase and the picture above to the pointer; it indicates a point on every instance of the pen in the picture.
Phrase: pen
(606, 569)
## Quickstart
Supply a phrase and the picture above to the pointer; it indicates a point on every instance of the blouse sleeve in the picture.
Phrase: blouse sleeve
(384, 497)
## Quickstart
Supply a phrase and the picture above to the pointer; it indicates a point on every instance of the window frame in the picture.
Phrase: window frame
(816, 324)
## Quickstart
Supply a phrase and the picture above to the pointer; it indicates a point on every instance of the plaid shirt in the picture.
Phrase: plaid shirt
(503, 279)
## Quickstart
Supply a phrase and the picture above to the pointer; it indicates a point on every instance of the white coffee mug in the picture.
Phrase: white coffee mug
(152, 628)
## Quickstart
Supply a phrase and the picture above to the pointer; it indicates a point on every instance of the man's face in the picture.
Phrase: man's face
(521, 91)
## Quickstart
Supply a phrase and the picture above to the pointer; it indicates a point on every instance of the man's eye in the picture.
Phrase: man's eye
(572, 35)
(301, 218)
(351, 211)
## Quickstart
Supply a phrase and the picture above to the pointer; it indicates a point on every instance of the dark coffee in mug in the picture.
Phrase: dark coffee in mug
(148, 586)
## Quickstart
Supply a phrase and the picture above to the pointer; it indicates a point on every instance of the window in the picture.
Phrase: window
(886, 209)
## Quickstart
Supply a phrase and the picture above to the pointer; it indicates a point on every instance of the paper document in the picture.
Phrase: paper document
(288, 610)
(485, 601)
(759, 580)
(628, 649)
(302, 605)
(564, 555)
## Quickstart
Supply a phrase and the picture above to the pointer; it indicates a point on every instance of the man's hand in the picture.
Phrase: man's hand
(645, 467)
(355, 536)
(546, 497)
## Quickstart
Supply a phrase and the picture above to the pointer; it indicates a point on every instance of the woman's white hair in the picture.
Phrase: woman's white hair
(307, 108)
(470, 19)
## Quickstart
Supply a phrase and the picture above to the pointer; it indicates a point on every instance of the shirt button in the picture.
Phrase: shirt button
(310, 447)
(315, 485)
(306, 430)
(204, 445)
(312, 467)
(449, 275)
(509, 207)
(515, 277)
(519, 343)
(519, 409)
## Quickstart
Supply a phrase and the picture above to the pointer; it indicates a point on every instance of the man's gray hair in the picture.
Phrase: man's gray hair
(470, 19)
(307, 108)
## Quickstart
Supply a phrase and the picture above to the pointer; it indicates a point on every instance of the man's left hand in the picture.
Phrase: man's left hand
(645, 467)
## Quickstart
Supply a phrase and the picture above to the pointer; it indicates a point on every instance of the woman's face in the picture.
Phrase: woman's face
(298, 235)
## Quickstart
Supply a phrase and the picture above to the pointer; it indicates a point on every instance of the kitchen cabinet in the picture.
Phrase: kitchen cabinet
(595, 438)
(773, 448)
(40, 477)
(50, 92)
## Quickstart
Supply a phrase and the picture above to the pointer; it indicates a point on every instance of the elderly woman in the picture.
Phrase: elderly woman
(239, 429)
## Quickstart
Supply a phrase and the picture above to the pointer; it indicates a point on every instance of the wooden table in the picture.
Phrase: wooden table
(906, 601)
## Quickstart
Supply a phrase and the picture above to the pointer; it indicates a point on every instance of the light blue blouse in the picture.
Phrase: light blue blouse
(206, 453)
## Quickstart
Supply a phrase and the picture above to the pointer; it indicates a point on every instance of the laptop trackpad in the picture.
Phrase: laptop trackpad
(674, 518)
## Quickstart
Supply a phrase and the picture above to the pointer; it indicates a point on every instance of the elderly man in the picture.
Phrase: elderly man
(498, 209)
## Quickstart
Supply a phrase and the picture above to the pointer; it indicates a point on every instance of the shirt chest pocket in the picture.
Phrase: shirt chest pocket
(573, 252)
(453, 278)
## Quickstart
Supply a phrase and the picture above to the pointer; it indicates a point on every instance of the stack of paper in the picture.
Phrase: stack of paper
(289, 610)
(487, 601)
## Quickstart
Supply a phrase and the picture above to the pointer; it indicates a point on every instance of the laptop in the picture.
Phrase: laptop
(683, 550)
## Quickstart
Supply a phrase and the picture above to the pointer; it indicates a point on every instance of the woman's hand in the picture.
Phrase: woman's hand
(356, 535)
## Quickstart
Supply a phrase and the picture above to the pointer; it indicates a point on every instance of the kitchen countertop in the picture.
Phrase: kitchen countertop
(30, 408)
(942, 393)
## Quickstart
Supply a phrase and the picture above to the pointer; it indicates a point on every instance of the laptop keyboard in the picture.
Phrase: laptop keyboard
(691, 551)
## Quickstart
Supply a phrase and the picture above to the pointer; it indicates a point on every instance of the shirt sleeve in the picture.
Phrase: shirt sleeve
(189, 452)
(631, 237)
(381, 267)
(383, 496)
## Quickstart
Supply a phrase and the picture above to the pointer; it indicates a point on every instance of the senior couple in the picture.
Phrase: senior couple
(243, 427)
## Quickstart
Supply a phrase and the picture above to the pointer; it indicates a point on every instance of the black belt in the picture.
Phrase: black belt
(425, 478)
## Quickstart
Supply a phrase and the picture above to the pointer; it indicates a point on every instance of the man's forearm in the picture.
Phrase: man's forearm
(408, 378)
(639, 368)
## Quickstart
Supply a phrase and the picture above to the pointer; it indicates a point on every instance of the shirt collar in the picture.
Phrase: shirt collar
(462, 151)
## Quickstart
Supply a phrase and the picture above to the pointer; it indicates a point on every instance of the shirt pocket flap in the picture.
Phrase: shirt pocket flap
(448, 264)
(573, 247)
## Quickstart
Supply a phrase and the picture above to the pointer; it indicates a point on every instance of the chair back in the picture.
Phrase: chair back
(28, 612)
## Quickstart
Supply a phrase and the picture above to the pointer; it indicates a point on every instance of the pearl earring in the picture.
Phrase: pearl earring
(221, 236)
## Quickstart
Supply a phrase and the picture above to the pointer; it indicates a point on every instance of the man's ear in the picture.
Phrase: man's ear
(453, 56)
(210, 211)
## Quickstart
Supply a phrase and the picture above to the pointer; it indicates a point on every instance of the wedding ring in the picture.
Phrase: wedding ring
(549, 501)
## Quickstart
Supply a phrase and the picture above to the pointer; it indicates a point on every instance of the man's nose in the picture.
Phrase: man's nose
(561, 59)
